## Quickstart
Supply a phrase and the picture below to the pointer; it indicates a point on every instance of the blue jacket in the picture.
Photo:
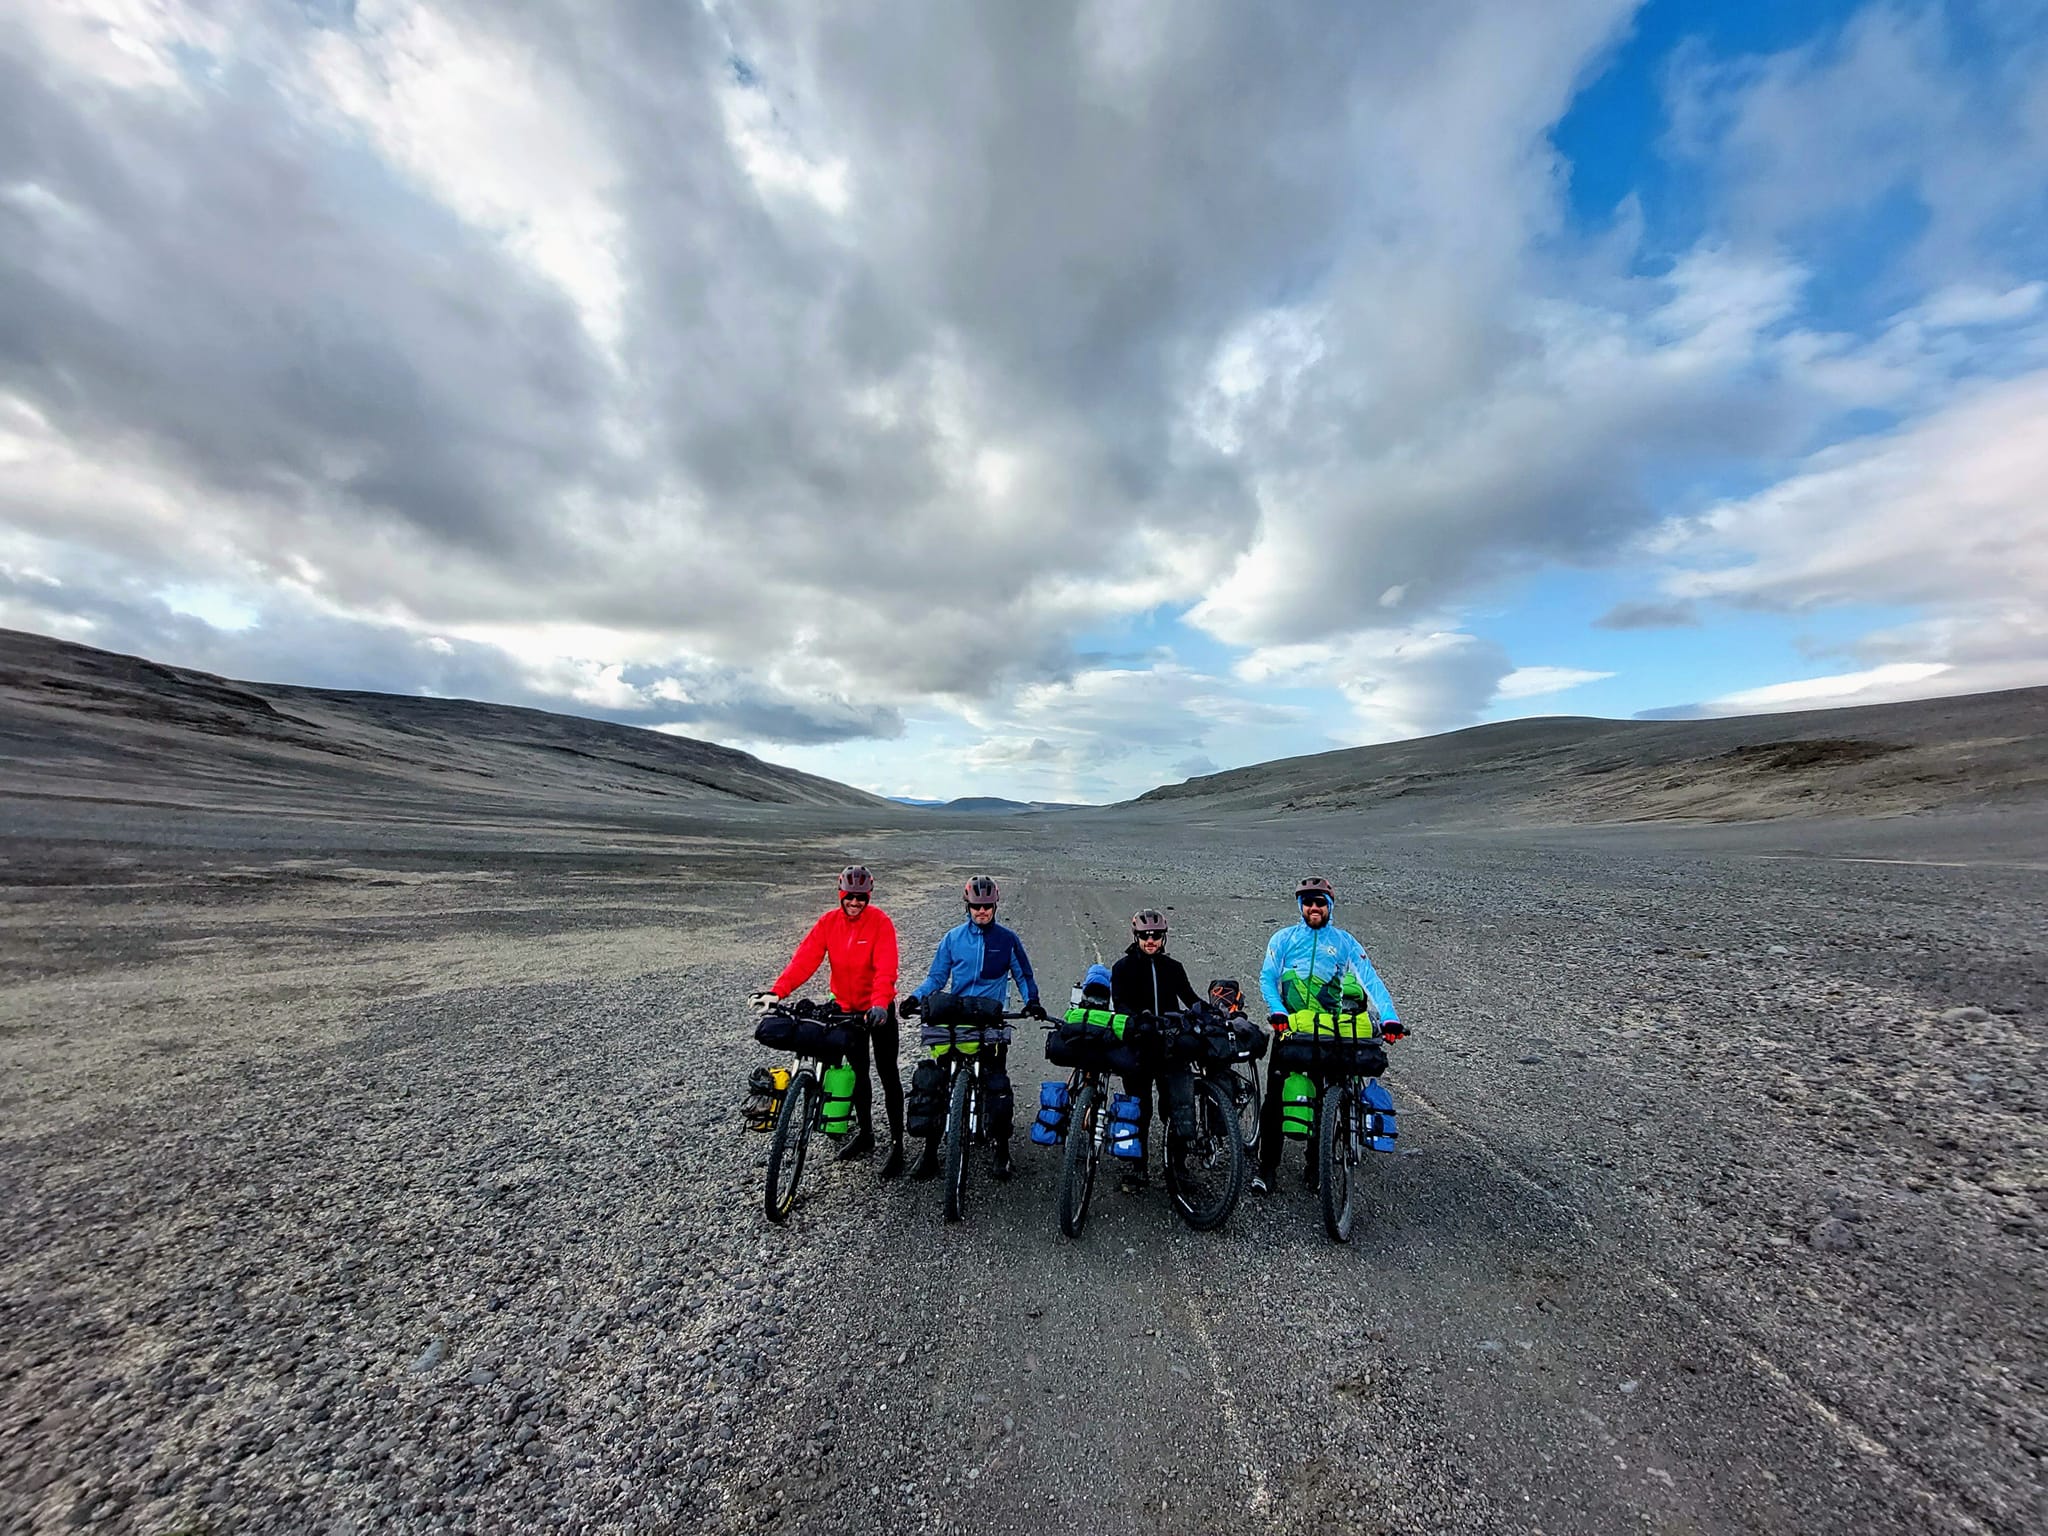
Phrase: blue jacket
(978, 962)
(1305, 968)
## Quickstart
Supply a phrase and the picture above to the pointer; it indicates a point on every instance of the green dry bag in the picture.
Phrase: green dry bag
(1297, 1105)
(838, 1111)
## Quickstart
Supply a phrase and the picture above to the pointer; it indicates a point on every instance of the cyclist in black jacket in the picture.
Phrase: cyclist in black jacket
(1147, 980)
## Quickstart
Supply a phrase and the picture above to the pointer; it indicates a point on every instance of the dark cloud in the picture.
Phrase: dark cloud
(1673, 615)
(325, 651)
(272, 312)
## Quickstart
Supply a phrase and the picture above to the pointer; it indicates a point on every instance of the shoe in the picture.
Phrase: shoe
(927, 1162)
(1261, 1185)
(1004, 1168)
(893, 1168)
(1135, 1182)
(862, 1145)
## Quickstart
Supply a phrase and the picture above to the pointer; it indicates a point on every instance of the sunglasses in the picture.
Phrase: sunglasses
(1315, 901)
(850, 896)
(1152, 935)
(981, 906)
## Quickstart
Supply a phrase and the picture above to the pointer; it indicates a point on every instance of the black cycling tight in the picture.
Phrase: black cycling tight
(883, 1046)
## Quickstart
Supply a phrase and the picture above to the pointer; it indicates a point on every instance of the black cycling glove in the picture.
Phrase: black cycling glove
(1034, 1010)
(910, 1007)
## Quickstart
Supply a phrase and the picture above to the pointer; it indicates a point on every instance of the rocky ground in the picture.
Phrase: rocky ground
(390, 1178)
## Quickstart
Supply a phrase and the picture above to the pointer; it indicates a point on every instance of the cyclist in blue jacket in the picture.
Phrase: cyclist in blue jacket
(1311, 964)
(979, 959)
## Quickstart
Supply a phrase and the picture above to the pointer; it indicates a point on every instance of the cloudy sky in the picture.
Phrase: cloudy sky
(1034, 398)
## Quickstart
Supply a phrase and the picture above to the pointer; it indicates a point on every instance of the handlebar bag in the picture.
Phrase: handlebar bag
(952, 1007)
(825, 1036)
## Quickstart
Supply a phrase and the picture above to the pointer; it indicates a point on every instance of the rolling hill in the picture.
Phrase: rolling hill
(83, 723)
(1880, 759)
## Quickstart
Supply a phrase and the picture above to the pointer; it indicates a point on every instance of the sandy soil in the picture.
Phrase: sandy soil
(387, 1176)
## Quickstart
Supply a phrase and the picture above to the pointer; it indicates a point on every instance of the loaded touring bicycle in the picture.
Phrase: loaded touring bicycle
(819, 1092)
(963, 1092)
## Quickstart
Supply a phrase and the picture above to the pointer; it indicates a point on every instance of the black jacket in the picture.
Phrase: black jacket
(1139, 983)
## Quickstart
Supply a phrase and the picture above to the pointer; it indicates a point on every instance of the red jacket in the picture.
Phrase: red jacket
(863, 955)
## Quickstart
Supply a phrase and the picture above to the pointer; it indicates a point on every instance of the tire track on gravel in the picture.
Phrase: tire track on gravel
(1940, 1504)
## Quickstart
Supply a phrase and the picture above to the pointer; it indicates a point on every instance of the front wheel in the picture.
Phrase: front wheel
(793, 1122)
(1077, 1168)
(1337, 1153)
(956, 1144)
(1244, 1090)
(1205, 1175)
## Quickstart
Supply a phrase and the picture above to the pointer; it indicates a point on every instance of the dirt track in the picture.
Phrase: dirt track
(382, 1179)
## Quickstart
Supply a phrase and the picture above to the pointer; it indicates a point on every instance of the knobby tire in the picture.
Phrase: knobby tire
(791, 1144)
(1077, 1170)
(1215, 1160)
(956, 1144)
(1337, 1154)
(1245, 1095)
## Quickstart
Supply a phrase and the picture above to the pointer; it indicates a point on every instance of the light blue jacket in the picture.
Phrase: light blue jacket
(1305, 967)
(978, 962)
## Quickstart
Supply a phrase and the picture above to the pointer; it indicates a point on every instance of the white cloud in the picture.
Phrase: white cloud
(1948, 516)
(126, 44)
(1534, 682)
(496, 133)
(1897, 680)
(1950, 510)
(1539, 451)
(1972, 304)
(798, 373)
(1398, 682)
(1802, 140)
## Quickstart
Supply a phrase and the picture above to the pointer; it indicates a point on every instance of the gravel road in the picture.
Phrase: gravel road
(390, 1178)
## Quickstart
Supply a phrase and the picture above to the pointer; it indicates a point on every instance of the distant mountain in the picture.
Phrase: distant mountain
(1878, 759)
(988, 805)
(80, 722)
(993, 805)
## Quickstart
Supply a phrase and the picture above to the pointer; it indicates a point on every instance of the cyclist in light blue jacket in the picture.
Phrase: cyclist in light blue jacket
(1311, 964)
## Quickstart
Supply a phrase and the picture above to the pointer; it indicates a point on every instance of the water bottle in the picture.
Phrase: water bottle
(1297, 1105)
(837, 1116)
(1124, 1137)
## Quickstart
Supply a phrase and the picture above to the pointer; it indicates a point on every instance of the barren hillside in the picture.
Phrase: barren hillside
(86, 723)
(1878, 760)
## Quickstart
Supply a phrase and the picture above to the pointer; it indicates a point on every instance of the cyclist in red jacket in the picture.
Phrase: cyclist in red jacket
(860, 942)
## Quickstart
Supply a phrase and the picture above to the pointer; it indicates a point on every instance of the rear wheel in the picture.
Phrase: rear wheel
(1205, 1175)
(1337, 1152)
(792, 1141)
(956, 1144)
(1077, 1167)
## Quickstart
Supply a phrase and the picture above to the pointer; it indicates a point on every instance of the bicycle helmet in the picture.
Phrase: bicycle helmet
(1314, 885)
(982, 892)
(1149, 920)
(854, 880)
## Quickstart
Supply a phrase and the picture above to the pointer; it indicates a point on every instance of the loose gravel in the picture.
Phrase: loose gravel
(357, 1184)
